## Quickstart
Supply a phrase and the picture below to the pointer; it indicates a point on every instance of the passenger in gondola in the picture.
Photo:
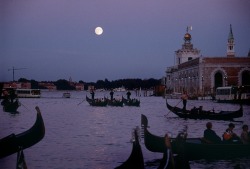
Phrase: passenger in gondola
(210, 136)
(111, 95)
(184, 98)
(200, 110)
(245, 135)
(194, 110)
(128, 95)
(229, 136)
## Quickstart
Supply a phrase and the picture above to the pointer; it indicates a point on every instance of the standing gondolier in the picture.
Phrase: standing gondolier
(111, 94)
(92, 94)
(128, 95)
(184, 98)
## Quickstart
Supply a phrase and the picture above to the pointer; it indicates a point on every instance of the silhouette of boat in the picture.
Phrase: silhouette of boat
(15, 142)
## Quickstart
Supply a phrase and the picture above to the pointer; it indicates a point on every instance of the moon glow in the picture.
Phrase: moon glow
(98, 30)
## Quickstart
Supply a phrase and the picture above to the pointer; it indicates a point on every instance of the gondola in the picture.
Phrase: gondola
(97, 102)
(195, 148)
(14, 142)
(11, 106)
(198, 113)
(114, 102)
(131, 102)
(152, 142)
(135, 160)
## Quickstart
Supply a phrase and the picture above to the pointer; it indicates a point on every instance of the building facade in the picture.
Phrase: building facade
(199, 75)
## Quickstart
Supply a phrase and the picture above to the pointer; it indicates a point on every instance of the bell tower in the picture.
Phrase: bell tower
(187, 52)
(230, 44)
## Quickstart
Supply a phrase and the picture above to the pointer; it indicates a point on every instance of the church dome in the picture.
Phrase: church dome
(187, 37)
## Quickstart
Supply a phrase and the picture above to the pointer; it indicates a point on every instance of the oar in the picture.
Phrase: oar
(172, 108)
(24, 106)
(80, 102)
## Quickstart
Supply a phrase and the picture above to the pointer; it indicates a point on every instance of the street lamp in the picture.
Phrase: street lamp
(225, 79)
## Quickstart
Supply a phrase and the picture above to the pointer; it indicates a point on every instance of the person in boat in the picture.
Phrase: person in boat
(92, 94)
(196, 110)
(5, 97)
(111, 95)
(229, 135)
(184, 98)
(12, 96)
(245, 135)
(209, 135)
(128, 95)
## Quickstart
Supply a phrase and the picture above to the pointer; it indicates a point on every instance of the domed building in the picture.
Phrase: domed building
(201, 75)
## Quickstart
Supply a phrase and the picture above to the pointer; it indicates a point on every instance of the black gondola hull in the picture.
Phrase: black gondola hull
(135, 160)
(13, 143)
(194, 148)
(202, 114)
(97, 102)
(131, 102)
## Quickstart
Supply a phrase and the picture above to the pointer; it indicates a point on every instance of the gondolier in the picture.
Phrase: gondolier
(92, 94)
(111, 95)
(128, 95)
(184, 98)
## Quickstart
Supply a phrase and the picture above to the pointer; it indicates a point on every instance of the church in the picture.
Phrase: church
(201, 75)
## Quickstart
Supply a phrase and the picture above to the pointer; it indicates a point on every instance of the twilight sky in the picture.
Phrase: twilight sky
(55, 39)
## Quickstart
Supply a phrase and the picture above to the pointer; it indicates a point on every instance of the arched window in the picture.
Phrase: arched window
(218, 80)
(245, 78)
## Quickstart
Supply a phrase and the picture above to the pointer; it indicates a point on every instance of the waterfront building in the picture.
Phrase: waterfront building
(17, 85)
(201, 75)
(47, 85)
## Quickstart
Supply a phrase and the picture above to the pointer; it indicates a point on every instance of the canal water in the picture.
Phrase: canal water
(79, 136)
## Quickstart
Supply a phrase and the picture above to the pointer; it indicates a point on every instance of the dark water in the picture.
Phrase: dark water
(79, 136)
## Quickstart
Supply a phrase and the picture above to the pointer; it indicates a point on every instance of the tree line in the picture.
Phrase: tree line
(129, 84)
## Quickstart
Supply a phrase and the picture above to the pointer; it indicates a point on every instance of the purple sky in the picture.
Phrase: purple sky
(55, 39)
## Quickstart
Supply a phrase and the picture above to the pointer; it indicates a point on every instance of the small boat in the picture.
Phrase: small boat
(120, 89)
(198, 113)
(11, 106)
(135, 160)
(131, 102)
(14, 142)
(114, 102)
(195, 148)
(97, 102)
(66, 95)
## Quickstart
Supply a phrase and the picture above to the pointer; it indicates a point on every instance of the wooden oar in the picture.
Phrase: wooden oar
(80, 102)
(172, 108)
(24, 106)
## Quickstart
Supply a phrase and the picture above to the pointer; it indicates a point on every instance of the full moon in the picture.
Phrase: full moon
(98, 30)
